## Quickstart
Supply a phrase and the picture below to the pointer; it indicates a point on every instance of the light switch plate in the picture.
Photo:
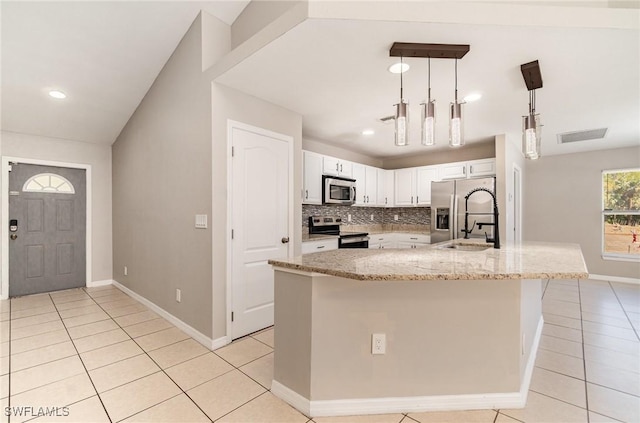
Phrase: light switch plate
(201, 221)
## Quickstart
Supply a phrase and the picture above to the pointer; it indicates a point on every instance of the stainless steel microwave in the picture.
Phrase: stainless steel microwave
(338, 190)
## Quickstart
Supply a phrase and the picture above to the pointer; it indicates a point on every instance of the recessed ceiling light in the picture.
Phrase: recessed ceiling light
(57, 94)
(398, 68)
(472, 97)
(368, 132)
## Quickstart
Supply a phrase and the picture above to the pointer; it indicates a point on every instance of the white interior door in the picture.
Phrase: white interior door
(260, 223)
(517, 204)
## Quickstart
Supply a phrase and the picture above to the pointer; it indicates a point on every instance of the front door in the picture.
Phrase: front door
(260, 215)
(47, 229)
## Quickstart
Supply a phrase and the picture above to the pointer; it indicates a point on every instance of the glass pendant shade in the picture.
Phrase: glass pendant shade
(429, 123)
(402, 124)
(531, 131)
(456, 128)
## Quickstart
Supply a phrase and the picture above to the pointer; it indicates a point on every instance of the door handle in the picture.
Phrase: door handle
(14, 236)
(306, 193)
(285, 239)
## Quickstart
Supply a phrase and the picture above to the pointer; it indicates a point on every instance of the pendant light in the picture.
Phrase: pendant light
(531, 126)
(456, 129)
(429, 115)
(531, 130)
(402, 118)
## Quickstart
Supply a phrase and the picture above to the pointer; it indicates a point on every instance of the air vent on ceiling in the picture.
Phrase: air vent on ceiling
(591, 134)
(387, 119)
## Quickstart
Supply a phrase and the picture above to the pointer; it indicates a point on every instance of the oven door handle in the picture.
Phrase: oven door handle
(353, 240)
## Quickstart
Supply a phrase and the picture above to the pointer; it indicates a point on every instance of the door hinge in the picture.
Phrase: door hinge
(233, 151)
(231, 233)
(232, 316)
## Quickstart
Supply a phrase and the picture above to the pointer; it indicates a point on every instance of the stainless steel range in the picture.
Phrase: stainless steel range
(330, 225)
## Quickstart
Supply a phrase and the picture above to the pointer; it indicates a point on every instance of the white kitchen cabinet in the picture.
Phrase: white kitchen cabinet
(385, 188)
(424, 176)
(366, 184)
(409, 240)
(484, 167)
(470, 169)
(453, 170)
(319, 245)
(337, 167)
(312, 180)
(381, 241)
(405, 183)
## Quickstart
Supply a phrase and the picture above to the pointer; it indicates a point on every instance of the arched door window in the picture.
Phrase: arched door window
(48, 182)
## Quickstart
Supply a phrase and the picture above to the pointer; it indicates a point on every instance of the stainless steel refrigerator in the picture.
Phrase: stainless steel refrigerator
(448, 209)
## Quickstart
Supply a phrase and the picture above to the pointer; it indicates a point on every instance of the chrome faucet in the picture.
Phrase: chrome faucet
(496, 238)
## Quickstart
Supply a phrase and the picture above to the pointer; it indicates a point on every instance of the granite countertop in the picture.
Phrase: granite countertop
(529, 260)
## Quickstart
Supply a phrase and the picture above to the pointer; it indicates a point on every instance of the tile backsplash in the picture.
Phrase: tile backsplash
(369, 215)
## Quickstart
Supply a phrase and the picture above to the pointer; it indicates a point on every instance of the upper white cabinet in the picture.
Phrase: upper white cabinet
(312, 178)
(484, 167)
(413, 185)
(337, 167)
(424, 176)
(405, 187)
(366, 184)
(453, 170)
(470, 169)
(385, 188)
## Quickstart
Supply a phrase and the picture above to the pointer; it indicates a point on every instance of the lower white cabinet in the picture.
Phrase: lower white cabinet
(406, 240)
(319, 245)
(398, 240)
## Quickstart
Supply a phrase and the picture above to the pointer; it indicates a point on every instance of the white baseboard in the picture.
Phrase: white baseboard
(614, 279)
(414, 404)
(94, 284)
(189, 330)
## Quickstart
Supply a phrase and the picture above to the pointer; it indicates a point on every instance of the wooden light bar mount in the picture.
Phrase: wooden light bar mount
(434, 51)
(531, 74)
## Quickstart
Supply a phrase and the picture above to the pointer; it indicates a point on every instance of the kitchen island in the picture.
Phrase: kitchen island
(461, 325)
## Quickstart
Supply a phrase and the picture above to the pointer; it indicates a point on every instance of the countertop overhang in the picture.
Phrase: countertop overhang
(527, 260)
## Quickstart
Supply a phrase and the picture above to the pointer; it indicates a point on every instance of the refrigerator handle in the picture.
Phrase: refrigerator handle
(453, 217)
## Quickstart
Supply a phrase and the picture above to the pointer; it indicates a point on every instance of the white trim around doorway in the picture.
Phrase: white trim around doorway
(231, 124)
(4, 215)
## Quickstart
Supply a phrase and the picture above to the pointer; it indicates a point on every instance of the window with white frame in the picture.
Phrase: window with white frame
(48, 182)
(621, 214)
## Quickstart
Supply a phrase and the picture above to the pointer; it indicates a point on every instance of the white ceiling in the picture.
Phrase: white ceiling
(334, 72)
(106, 55)
(103, 55)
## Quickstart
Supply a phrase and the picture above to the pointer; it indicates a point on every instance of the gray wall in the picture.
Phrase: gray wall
(161, 180)
(563, 203)
(228, 103)
(257, 15)
(99, 157)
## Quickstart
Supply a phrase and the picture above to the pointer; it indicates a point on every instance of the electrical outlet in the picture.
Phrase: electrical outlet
(178, 295)
(395, 217)
(348, 218)
(126, 271)
(378, 343)
(371, 217)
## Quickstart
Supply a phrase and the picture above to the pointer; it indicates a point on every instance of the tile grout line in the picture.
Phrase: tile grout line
(633, 328)
(161, 370)
(80, 358)
(584, 357)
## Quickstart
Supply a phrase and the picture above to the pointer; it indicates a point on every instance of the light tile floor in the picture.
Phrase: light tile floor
(100, 356)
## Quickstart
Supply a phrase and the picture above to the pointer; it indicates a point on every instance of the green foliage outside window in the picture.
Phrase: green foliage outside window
(621, 212)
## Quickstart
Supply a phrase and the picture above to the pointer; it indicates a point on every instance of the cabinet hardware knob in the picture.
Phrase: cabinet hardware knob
(284, 239)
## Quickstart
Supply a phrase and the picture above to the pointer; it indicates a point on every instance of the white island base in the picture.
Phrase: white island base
(450, 344)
